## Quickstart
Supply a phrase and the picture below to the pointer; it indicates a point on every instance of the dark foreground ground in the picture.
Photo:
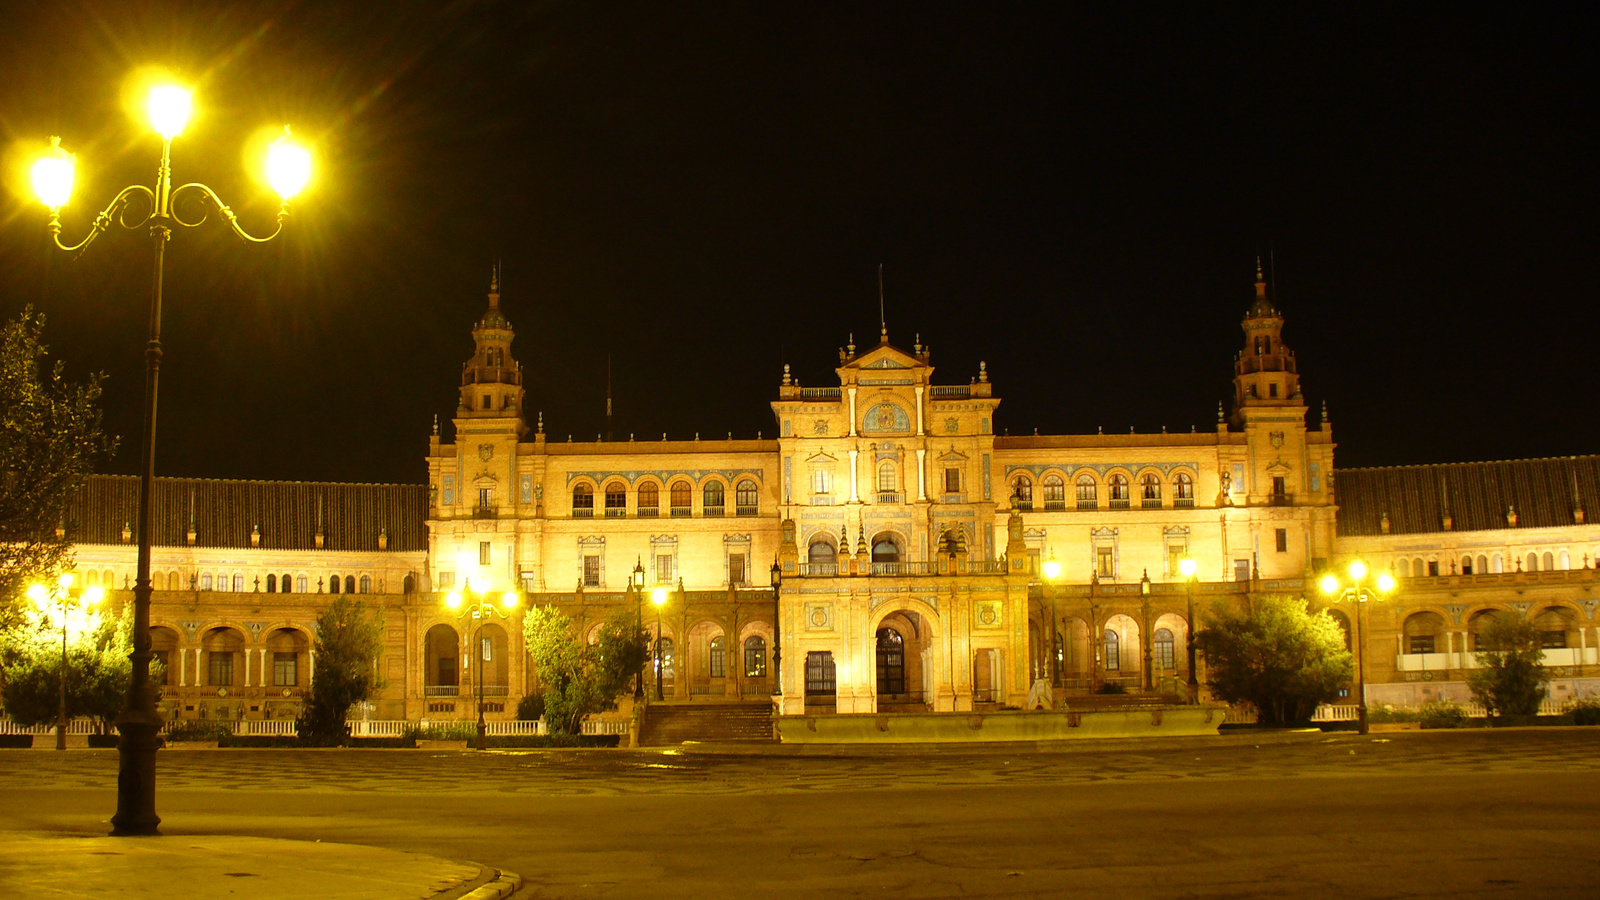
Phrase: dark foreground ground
(1481, 813)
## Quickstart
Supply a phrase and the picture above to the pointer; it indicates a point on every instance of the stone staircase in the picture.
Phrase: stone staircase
(667, 724)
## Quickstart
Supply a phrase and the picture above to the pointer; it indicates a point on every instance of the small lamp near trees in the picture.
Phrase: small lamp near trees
(74, 609)
(1358, 591)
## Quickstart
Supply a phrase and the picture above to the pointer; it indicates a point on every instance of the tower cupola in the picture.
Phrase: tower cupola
(1264, 372)
(491, 381)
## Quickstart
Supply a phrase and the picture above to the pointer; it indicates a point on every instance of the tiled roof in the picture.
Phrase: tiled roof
(225, 512)
(1476, 495)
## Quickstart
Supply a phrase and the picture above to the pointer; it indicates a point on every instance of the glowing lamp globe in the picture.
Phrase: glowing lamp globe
(1385, 582)
(93, 595)
(52, 176)
(509, 599)
(452, 600)
(659, 596)
(1330, 584)
(1052, 570)
(1187, 567)
(168, 108)
(1358, 570)
(38, 593)
(288, 166)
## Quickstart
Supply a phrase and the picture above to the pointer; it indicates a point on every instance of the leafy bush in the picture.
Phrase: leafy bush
(1443, 714)
(259, 740)
(1510, 680)
(383, 743)
(348, 640)
(196, 730)
(1585, 711)
(1275, 655)
(530, 708)
(554, 740)
(1384, 713)
(442, 731)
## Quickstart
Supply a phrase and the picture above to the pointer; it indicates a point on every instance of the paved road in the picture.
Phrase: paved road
(1499, 813)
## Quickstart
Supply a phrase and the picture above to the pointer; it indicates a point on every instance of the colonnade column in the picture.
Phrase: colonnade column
(183, 667)
(922, 474)
(855, 496)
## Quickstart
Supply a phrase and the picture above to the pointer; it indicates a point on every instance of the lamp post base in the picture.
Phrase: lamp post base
(483, 736)
(136, 777)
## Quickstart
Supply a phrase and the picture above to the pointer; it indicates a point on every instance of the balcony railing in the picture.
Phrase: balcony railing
(891, 497)
(441, 690)
(1088, 504)
(820, 393)
(747, 510)
(905, 568)
(827, 569)
(1183, 503)
(949, 390)
(616, 512)
(649, 512)
(1280, 499)
(681, 512)
(1119, 504)
(587, 513)
(711, 512)
(1150, 503)
(496, 690)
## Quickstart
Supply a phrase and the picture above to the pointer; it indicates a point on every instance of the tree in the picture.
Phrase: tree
(580, 679)
(1276, 655)
(98, 668)
(50, 438)
(349, 638)
(1510, 679)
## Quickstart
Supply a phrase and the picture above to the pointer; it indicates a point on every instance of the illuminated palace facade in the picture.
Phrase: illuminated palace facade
(886, 551)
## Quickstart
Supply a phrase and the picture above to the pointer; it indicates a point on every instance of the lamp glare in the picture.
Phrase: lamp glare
(1052, 570)
(288, 166)
(659, 596)
(509, 599)
(93, 595)
(1385, 582)
(452, 600)
(169, 110)
(1187, 567)
(38, 593)
(1358, 570)
(52, 176)
(1330, 584)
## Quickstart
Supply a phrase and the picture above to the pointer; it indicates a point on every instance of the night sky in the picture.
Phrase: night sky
(702, 192)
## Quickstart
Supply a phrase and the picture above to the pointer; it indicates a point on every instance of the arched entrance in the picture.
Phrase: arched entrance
(441, 676)
(902, 668)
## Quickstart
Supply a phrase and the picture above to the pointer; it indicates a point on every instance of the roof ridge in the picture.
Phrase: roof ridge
(1481, 462)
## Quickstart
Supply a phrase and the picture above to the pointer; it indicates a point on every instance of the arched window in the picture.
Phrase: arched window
(174, 581)
(272, 583)
(409, 585)
(1113, 652)
(1022, 492)
(885, 550)
(284, 583)
(1548, 563)
(616, 499)
(238, 583)
(1088, 497)
(366, 584)
(755, 656)
(1483, 564)
(1563, 560)
(334, 584)
(1165, 660)
(712, 498)
(1423, 632)
(680, 498)
(1117, 488)
(1477, 624)
(891, 662)
(717, 658)
(1533, 563)
(1466, 564)
(1496, 564)
(1149, 491)
(649, 499)
(583, 502)
(1553, 624)
(746, 498)
(349, 584)
(1182, 490)
(821, 553)
(1055, 492)
(887, 482)
(300, 584)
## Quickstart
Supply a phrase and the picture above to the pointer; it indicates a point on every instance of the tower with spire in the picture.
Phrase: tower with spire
(491, 381)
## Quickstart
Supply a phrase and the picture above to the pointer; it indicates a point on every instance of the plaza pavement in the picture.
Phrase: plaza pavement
(1481, 813)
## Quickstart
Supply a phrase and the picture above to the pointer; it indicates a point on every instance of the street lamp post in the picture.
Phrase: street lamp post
(777, 632)
(1188, 567)
(1052, 576)
(1144, 596)
(1358, 593)
(289, 166)
(481, 607)
(63, 599)
(658, 599)
(637, 585)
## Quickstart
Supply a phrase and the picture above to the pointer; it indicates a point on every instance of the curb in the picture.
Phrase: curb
(502, 886)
